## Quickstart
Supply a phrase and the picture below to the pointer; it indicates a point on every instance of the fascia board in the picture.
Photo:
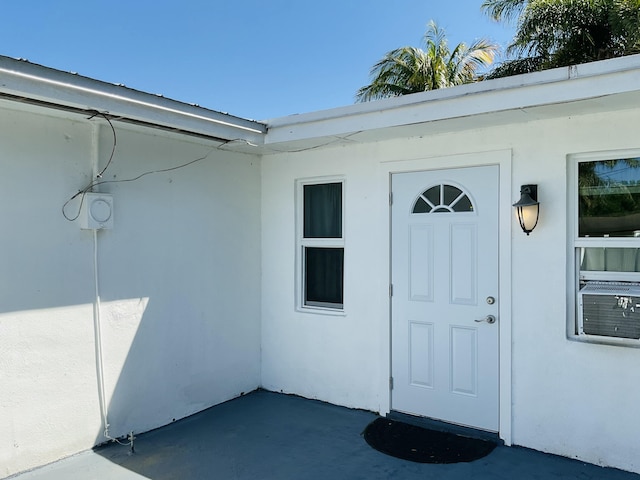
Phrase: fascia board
(551, 87)
(35, 82)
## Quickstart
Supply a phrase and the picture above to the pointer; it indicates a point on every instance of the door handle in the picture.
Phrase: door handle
(490, 319)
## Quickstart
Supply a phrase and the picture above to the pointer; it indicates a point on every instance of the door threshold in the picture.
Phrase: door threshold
(439, 425)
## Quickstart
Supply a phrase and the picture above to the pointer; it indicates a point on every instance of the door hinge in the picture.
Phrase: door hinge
(391, 289)
(390, 198)
(390, 383)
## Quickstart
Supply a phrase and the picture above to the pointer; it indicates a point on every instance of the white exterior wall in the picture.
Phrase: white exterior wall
(563, 397)
(330, 357)
(197, 285)
(179, 279)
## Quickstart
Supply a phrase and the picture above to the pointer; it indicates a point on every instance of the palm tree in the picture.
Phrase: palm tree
(506, 10)
(408, 70)
(558, 33)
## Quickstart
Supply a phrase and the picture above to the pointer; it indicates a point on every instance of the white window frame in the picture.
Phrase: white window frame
(576, 243)
(302, 243)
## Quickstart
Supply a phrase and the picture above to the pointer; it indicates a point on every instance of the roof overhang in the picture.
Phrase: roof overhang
(589, 88)
(28, 83)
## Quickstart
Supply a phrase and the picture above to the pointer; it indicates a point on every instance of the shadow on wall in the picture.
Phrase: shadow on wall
(178, 277)
(163, 360)
(48, 402)
(180, 291)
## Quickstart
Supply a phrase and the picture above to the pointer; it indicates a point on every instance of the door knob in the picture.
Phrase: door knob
(489, 319)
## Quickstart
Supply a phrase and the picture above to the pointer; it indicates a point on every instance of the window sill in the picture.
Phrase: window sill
(610, 341)
(332, 312)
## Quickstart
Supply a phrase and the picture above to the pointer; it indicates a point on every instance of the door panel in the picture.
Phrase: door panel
(463, 261)
(421, 263)
(464, 360)
(444, 266)
(421, 354)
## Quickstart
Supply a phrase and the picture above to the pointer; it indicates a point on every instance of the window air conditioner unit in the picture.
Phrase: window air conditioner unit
(609, 309)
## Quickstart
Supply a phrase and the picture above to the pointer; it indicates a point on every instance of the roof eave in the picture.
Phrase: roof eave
(31, 83)
(535, 91)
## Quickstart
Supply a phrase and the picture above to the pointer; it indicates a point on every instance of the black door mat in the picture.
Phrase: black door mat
(422, 445)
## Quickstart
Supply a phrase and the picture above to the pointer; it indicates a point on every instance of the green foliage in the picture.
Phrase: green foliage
(558, 33)
(408, 70)
(500, 10)
(606, 187)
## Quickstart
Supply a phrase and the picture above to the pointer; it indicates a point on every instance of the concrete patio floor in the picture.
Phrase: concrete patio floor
(266, 435)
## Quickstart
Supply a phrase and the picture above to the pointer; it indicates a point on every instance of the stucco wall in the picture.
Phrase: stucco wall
(333, 358)
(197, 283)
(179, 279)
(564, 397)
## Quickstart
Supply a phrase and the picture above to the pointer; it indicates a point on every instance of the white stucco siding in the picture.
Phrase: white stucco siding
(334, 358)
(179, 279)
(184, 256)
(197, 279)
(48, 401)
(567, 398)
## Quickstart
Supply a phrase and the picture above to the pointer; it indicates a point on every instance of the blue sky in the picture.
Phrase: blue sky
(254, 59)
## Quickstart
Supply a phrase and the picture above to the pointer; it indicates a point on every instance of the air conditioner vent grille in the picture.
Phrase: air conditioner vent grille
(611, 288)
(610, 309)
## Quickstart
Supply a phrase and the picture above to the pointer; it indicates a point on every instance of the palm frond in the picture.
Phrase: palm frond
(500, 10)
(557, 33)
(408, 70)
(516, 66)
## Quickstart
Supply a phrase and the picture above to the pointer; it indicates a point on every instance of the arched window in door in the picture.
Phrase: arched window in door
(443, 198)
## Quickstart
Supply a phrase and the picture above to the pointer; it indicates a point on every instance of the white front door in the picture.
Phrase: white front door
(444, 247)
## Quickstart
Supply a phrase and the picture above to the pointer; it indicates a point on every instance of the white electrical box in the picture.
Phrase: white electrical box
(97, 211)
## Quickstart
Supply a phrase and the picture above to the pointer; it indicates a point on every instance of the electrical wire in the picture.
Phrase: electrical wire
(98, 182)
(133, 179)
(86, 189)
(95, 183)
(115, 141)
(97, 306)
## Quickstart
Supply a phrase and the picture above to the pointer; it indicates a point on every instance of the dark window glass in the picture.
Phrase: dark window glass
(324, 273)
(323, 210)
(443, 199)
(451, 193)
(463, 205)
(433, 195)
(609, 198)
(421, 206)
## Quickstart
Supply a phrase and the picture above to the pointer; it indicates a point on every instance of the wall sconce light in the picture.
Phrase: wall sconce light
(528, 208)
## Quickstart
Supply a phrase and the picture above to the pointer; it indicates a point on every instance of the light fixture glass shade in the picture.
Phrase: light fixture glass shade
(528, 208)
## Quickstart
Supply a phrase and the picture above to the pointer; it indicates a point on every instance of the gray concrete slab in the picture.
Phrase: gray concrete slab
(267, 435)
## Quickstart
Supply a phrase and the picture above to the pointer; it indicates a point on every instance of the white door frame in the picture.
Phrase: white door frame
(502, 158)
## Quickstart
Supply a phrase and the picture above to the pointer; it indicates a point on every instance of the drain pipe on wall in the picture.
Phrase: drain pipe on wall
(97, 321)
